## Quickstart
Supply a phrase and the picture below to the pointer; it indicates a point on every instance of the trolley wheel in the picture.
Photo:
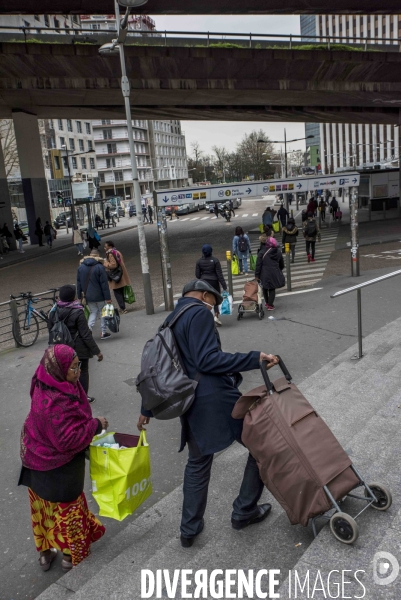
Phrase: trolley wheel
(344, 528)
(26, 335)
(240, 311)
(383, 495)
(261, 314)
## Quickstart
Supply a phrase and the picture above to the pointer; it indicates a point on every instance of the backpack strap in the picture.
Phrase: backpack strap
(178, 315)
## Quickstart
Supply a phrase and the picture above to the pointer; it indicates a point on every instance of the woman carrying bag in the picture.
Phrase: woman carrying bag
(269, 267)
(117, 273)
(56, 432)
(241, 249)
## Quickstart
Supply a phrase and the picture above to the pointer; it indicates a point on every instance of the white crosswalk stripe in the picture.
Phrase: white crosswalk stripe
(195, 218)
(203, 218)
(303, 274)
(245, 215)
(255, 215)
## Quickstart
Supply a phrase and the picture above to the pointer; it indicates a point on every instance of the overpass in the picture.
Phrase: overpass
(74, 81)
(203, 7)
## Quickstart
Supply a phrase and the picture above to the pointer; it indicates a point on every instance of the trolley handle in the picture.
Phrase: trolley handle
(284, 369)
(266, 379)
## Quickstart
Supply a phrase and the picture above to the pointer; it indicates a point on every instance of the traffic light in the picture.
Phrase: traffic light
(60, 198)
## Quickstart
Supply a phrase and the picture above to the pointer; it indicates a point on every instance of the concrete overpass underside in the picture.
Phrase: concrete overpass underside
(201, 7)
(74, 81)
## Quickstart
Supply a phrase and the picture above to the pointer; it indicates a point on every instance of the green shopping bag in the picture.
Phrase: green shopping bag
(121, 479)
(87, 312)
(276, 226)
(235, 266)
(252, 262)
(129, 295)
(261, 228)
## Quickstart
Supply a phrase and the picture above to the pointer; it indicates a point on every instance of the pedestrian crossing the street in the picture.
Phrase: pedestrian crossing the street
(303, 274)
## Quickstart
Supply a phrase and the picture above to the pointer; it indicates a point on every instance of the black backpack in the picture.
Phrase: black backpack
(163, 384)
(310, 229)
(59, 333)
(242, 244)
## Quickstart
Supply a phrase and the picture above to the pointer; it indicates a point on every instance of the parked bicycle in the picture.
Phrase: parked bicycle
(26, 328)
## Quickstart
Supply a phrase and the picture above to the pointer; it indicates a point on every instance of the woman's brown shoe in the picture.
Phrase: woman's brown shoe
(46, 559)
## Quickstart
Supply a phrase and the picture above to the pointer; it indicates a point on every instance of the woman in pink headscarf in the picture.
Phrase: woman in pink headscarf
(56, 432)
(269, 269)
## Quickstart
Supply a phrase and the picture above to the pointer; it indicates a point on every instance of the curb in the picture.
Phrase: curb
(54, 250)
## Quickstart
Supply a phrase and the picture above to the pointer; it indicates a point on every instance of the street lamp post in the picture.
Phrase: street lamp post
(113, 48)
(285, 142)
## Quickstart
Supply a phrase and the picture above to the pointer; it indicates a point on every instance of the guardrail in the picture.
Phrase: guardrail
(249, 40)
(9, 312)
(357, 289)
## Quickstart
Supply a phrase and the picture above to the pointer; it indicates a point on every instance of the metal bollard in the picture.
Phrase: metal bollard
(15, 321)
(288, 265)
(229, 273)
(370, 210)
(292, 214)
(384, 210)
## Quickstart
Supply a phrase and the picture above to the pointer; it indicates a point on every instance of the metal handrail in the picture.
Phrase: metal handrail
(357, 289)
(319, 39)
(362, 285)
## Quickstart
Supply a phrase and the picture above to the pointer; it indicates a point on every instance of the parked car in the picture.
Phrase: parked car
(210, 206)
(132, 210)
(62, 219)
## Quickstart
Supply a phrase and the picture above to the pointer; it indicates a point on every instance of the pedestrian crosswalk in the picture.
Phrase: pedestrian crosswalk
(303, 274)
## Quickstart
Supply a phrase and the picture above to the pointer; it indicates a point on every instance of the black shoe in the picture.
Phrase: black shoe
(91, 399)
(188, 542)
(261, 514)
(105, 336)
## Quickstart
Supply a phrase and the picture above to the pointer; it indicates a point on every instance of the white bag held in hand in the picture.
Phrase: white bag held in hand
(226, 307)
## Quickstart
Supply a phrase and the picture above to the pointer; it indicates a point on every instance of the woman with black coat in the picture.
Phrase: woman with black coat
(72, 312)
(209, 269)
(290, 234)
(269, 267)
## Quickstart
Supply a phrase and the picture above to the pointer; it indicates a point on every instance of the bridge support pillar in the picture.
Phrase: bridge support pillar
(33, 175)
(5, 201)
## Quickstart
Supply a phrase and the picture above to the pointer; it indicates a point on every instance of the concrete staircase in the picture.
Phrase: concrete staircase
(361, 402)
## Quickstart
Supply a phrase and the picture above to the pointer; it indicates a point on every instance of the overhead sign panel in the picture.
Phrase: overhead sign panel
(222, 193)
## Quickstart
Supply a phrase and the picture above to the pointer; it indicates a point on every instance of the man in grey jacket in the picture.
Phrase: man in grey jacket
(93, 284)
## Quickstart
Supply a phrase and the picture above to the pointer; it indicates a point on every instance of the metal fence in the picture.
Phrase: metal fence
(14, 310)
(196, 38)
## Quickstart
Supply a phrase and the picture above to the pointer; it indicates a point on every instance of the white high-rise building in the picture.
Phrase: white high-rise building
(349, 145)
(160, 156)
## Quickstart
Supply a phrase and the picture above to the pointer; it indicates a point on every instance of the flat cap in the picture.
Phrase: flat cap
(198, 285)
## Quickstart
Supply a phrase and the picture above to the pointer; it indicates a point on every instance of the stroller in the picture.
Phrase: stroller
(252, 300)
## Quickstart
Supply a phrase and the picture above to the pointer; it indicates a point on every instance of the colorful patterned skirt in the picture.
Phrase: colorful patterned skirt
(67, 526)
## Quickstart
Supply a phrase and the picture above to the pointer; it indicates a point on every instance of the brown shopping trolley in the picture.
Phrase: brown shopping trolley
(252, 300)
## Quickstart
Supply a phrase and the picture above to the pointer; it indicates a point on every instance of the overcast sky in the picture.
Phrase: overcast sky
(223, 133)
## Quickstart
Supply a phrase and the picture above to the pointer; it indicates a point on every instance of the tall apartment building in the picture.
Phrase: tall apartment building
(160, 155)
(348, 145)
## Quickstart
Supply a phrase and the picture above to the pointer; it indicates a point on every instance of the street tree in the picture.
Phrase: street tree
(255, 156)
(221, 160)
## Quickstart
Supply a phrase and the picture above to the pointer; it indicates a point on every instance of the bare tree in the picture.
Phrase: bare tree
(197, 153)
(9, 145)
(221, 163)
(254, 155)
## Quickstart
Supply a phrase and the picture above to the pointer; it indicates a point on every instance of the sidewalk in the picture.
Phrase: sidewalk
(63, 240)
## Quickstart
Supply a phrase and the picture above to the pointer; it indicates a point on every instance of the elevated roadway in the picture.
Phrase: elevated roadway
(203, 7)
(74, 81)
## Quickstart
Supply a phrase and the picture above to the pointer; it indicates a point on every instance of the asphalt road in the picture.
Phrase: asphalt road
(308, 329)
